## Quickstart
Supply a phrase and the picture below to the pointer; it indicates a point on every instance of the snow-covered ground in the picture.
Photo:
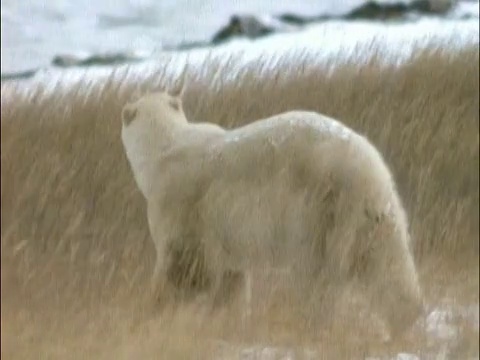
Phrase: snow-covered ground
(34, 32)
(333, 40)
(440, 329)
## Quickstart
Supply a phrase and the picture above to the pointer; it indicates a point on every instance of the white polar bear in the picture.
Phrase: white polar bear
(297, 190)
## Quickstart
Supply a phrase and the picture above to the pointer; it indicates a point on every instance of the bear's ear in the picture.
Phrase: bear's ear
(128, 115)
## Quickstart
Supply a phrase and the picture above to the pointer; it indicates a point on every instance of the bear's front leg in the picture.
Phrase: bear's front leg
(162, 292)
(162, 231)
(247, 313)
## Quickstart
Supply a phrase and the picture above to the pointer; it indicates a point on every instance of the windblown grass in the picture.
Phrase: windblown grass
(75, 247)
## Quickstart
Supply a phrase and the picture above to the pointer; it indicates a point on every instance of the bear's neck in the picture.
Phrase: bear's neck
(144, 173)
(145, 154)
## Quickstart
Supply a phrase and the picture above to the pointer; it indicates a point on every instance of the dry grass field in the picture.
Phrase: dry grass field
(75, 249)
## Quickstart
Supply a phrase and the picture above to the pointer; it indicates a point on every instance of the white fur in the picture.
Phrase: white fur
(296, 190)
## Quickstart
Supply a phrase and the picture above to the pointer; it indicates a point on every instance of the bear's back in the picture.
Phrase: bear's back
(262, 149)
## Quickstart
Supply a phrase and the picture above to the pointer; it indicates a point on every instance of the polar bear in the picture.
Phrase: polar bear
(297, 190)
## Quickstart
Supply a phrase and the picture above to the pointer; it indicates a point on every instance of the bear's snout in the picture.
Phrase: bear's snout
(128, 115)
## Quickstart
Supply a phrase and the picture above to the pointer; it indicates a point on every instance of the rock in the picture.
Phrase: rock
(243, 25)
(383, 11)
(96, 59)
(295, 19)
(372, 10)
(19, 76)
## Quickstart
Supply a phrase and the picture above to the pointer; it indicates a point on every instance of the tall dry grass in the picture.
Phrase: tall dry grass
(75, 247)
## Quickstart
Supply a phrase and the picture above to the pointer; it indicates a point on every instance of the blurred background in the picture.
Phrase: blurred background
(36, 34)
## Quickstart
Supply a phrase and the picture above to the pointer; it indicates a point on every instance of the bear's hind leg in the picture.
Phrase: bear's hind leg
(226, 287)
(389, 278)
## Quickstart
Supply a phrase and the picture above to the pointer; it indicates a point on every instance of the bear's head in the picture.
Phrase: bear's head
(158, 107)
(148, 127)
(149, 122)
